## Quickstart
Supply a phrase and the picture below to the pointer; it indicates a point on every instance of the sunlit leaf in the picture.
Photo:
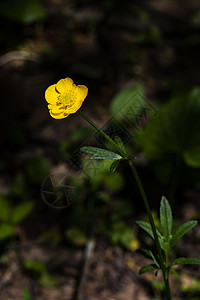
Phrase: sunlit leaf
(114, 165)
(98, 153)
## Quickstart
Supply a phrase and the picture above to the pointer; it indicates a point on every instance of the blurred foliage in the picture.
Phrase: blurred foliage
(37, 168)
(26, 294)
(128, 103)
(38, 270)
(10, 216)
(25, 11)
(173, 136)
(52, 237)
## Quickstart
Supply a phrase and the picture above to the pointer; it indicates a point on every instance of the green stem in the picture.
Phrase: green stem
(148, 210)
(146, 204)
(98, 129)
(167, 287)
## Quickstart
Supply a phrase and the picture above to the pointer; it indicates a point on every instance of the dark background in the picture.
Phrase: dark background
(107, 46)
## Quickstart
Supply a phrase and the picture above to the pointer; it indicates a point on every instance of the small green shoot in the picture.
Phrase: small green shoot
(167, 240)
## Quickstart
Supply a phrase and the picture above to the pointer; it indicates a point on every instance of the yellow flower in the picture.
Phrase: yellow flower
(65, 98)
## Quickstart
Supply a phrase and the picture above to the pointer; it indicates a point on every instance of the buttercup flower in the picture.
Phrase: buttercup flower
(65, 98)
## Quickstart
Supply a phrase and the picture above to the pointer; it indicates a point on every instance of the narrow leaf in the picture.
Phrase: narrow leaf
(166, 218)
(181, 231)
(114, 165)
(147, 227)
(120, 144)
(147, 268)
(98, 153)
(173, 272)
(186, 261)
(144, 252)
(155, 259)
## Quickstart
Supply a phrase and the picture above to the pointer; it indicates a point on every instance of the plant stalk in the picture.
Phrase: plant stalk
(158, 248)
(98, 129)
(146, 204)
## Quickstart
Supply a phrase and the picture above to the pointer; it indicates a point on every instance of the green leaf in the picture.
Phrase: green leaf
(6, 231)
(144, 252)
(166, 218)
(128, 103)
(47, 280)
(114, 165)
(181, 231)
(26, 294)
(35, 266)
(147, 227)
(148, 254)
(76, 236)
(174, 130)
(173, 272)
(192, 157)
(147, 268)
(5, 209)
(186, 261)
(21, 211)
(120, 144)
(98, 153)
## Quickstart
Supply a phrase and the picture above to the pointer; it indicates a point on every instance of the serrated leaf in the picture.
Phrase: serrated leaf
(21, 211)
(166, 218)
(181, 231)
(186, 261)
(173, 272)
(114, 165)
(6, 231)
(98, 153)
(147, 268)
(120, 144)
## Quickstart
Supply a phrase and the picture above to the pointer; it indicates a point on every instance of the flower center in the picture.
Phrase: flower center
(67, 99)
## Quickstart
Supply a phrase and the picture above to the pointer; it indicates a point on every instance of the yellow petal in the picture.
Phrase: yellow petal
(55, 108)
(74, 108)
(64, 84)
(62, 115)
(82, 92)
(51, 95)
